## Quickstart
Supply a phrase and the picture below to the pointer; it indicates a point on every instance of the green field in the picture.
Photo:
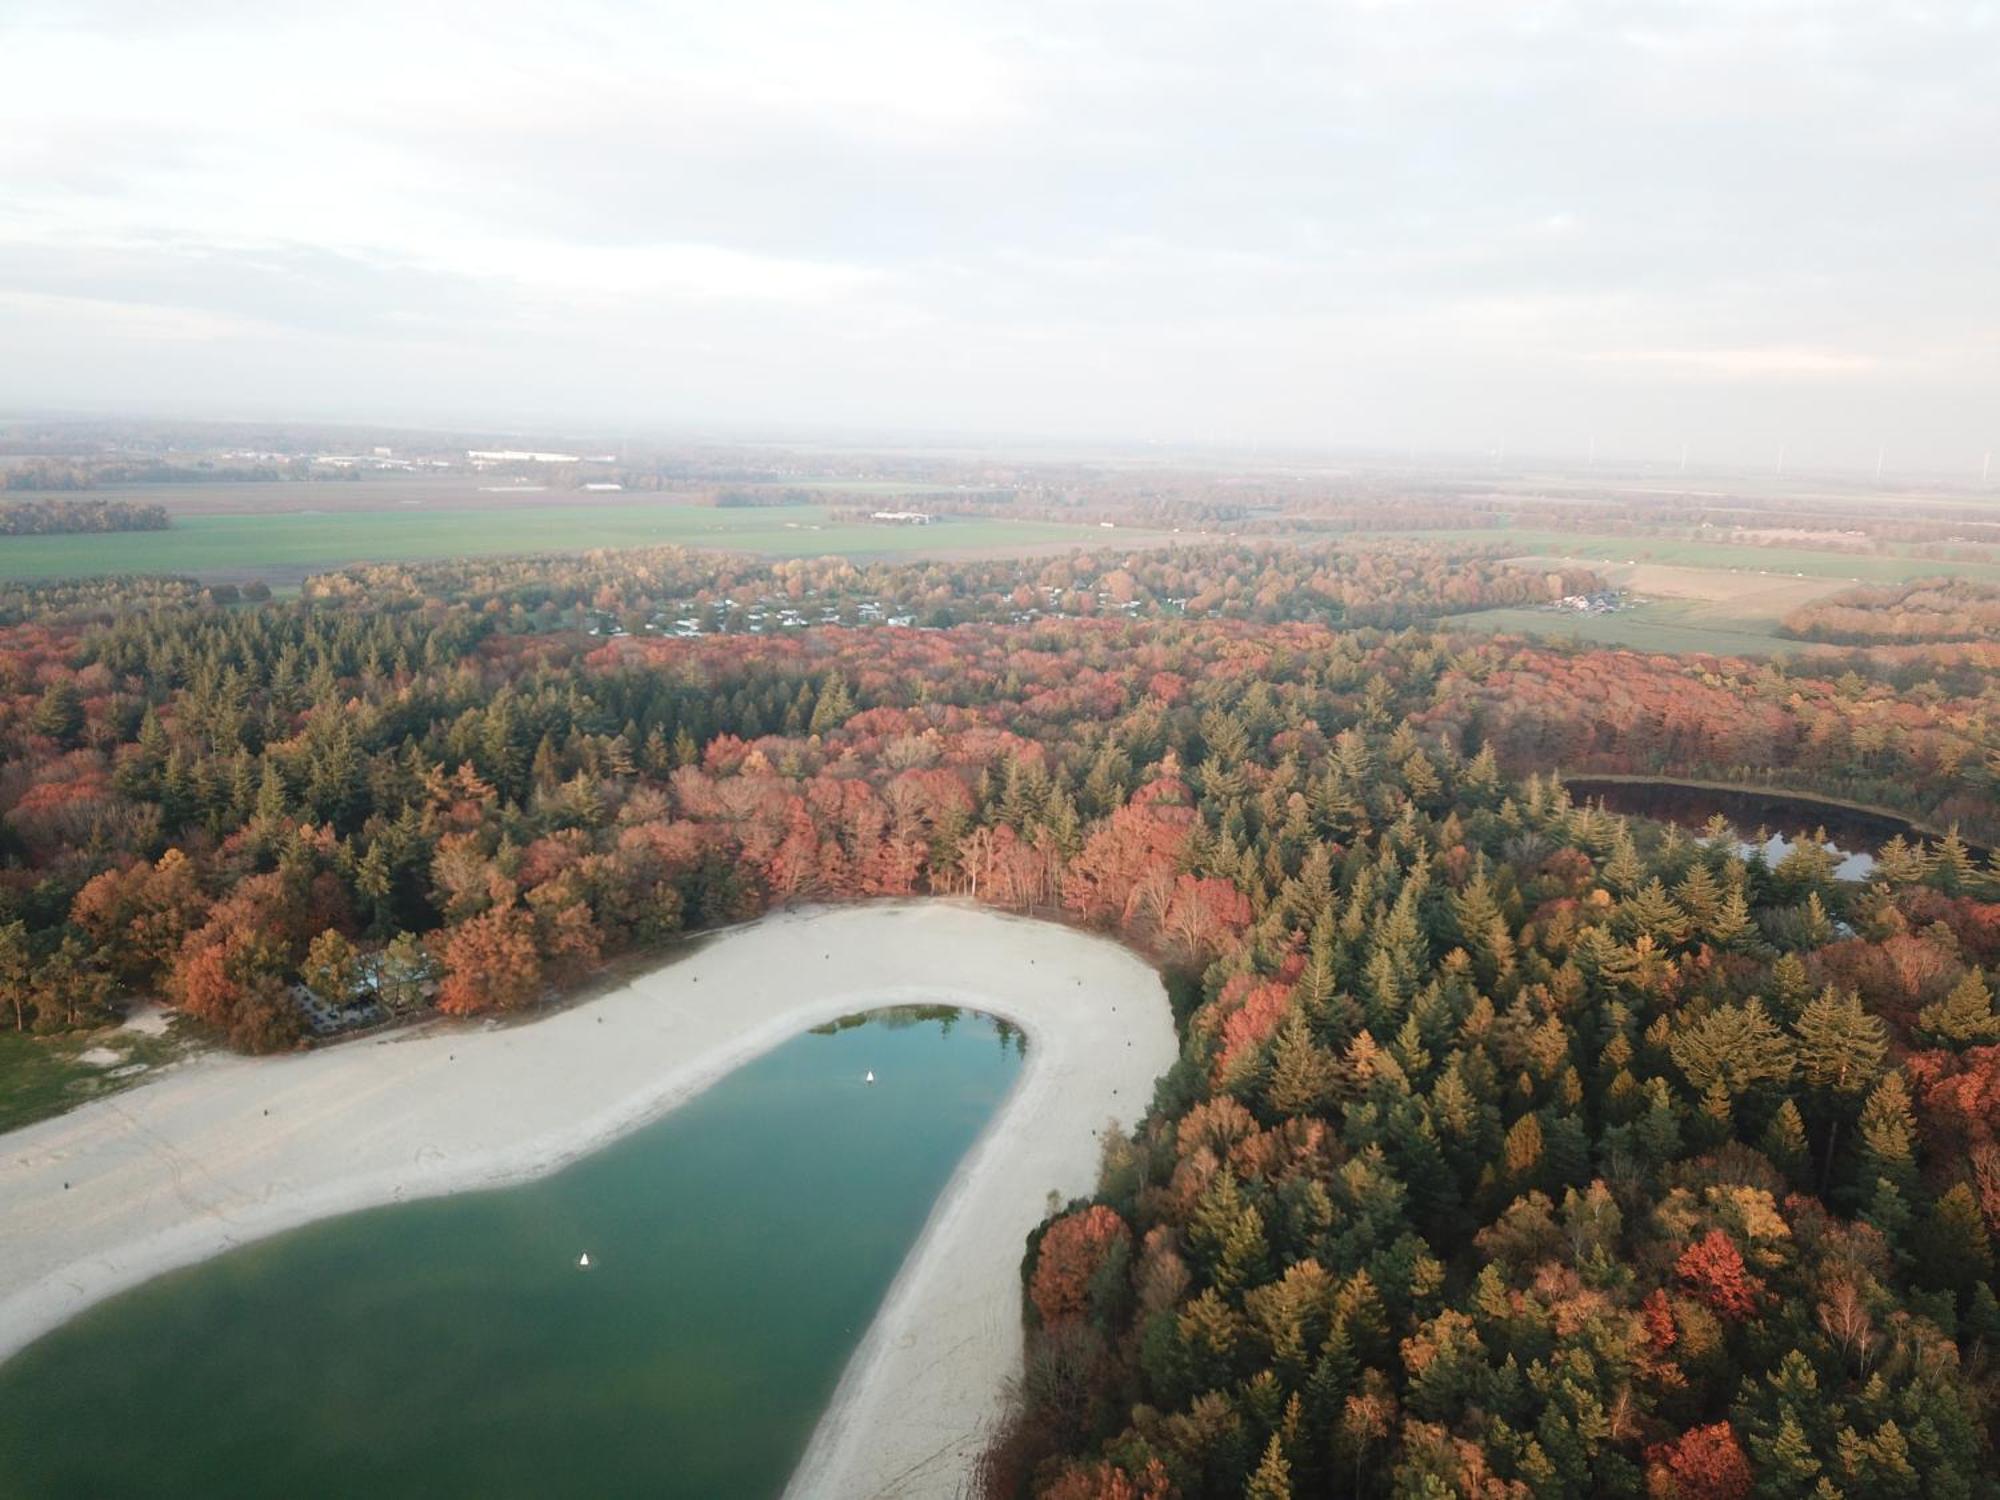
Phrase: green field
(1778, 561)
(45, 1075)
(1667, 626)
(290, 544)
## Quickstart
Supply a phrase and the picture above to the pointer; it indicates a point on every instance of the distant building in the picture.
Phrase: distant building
(518, 456)
(602, 487)
(902, 517)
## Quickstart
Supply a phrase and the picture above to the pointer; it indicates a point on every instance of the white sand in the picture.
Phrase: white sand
(227, 1149)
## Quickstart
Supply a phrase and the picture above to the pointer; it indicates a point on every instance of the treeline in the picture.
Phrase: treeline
(50, 517)
(1391, 583)
(60, 474)
(81, 601)
(1923, 609)
(759, 499)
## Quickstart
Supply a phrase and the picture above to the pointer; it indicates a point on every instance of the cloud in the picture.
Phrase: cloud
(1356, 218)
(1748, 364)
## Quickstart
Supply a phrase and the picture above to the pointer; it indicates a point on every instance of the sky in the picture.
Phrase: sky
(1448, 226)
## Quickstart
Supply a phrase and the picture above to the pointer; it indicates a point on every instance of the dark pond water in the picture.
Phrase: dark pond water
(1853, 836)
(739, 1247)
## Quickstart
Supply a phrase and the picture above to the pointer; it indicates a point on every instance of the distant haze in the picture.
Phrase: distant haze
(1731, 223)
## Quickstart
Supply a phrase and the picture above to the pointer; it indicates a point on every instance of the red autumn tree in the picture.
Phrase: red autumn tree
(1703, 1463)
(140, 914)
(1106, 1481)
(1205, 916)
(1146, 835)
(1250, 1014)
(490, 963)
(1071, 1254)
(1712, 1268)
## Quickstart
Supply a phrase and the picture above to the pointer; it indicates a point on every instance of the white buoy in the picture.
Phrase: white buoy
(871, 1076)
(583, 1261)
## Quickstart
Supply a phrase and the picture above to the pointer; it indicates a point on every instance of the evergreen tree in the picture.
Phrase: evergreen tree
(1964, 1017)
(1888, 1134)
(1785, 1143)
(1839, 1045)
(1273, 1478)
(1304, 1075)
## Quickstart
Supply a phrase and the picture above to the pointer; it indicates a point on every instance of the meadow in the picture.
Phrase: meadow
(282, 547)
(1889, 566)
(1665, 625)
(1726, 599)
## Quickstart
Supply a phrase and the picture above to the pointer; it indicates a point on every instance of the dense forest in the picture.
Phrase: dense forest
(1515, 1148)
(47, 517)
(1391, 583)
(1924, 609)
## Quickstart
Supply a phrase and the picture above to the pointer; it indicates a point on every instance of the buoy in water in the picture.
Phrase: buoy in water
(871, 1076)
(583, 1261)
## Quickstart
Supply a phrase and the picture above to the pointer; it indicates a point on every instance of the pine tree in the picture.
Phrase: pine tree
(1956, 1249)
(1900, 864)
(1738, 1046)
(1699, 896)
(1652, 913)
(1521, 1152)
(834, 707)
(59, 714)
(1304, 1075)
(1889, 1133)
(1952, 869)
(1732, 927)
(1963, 1018)
(1273, 1479)
(1791, 986)
(1840, 1051)
(1624, 872)
(1840, 1046)
(1785, 1143)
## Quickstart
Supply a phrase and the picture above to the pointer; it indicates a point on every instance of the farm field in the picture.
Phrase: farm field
(1668, 626)
(1777, 563)
(1725, 611)
(282, 548)
(393, 492)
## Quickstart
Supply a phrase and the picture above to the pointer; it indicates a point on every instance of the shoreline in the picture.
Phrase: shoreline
(226, 1149)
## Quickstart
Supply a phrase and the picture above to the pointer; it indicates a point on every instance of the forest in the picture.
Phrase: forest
(1924, 609)
(47, 518)
(1392, 583)
(1515, 1148)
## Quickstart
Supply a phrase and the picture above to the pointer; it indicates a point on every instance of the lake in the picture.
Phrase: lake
(1853, 834)
(738, 1247)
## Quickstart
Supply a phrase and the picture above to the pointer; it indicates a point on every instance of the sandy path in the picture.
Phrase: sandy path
(227, 1149)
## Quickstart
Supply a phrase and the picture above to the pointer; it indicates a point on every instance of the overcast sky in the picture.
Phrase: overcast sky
(1733, 223)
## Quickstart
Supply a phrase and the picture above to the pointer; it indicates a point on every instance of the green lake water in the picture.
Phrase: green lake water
(739, 1247)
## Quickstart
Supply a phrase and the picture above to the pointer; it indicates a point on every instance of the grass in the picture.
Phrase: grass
(45, 1075)
(1780, 561)
(223, 546)
(1665, 626)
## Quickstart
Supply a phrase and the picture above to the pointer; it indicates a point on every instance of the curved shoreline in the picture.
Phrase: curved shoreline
(226, 1149)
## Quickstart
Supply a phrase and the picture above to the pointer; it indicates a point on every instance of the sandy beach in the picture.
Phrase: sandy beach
(226, 1149)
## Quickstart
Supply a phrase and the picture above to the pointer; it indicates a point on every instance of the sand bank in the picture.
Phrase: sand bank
(226, 1149)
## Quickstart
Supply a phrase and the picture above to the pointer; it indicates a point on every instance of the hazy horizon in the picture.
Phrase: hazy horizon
(1366, 226)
